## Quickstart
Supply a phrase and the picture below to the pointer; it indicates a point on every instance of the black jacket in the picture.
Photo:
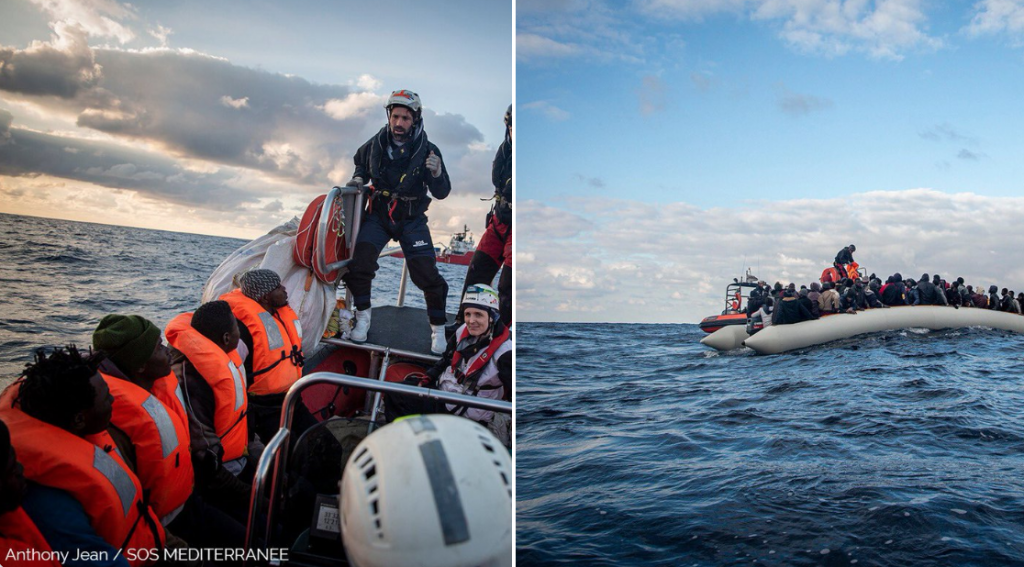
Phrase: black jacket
(501, 177)
(844, 256)
(403, 173)
(792, 310)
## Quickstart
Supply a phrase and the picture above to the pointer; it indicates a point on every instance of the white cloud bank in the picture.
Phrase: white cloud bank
(598, 259)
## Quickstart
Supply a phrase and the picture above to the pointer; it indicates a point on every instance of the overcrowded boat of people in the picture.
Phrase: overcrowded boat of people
(845, 302)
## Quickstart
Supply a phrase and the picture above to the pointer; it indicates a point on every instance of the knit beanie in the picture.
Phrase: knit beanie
(128, 340)
(257, 283)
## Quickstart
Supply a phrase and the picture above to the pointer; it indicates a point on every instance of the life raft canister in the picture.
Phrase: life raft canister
(314, 250)
(274, 340)
(157, 425)
(92, 471)
(225, 374)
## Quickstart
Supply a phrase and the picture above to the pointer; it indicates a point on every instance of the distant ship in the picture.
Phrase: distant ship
(459, 250)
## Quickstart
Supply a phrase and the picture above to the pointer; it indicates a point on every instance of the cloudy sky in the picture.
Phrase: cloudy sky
(664, 146)
(228, 117)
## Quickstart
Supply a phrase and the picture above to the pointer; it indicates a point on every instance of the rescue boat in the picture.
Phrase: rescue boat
(459, 250)
(294, 502)
(737, 294)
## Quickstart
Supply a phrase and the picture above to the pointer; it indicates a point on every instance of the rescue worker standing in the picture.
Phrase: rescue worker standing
(402, 166)
(843, 258)
(271, 331)
(494, 251)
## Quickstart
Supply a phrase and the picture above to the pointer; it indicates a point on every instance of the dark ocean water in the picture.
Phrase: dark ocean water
(59, 278)
(638, 446)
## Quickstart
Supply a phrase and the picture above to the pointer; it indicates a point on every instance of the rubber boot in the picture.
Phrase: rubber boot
(438, 342)
(362, 326)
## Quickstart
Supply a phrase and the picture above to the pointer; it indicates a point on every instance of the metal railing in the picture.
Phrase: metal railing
(278, 450)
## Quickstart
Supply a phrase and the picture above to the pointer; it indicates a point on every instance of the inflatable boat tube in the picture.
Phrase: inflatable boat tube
(780, 338)
(727, 338)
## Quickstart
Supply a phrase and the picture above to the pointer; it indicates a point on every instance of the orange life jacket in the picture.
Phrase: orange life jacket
(225, 374)
(157, 425)
(276, 344)
(90, 470)
(18, 533)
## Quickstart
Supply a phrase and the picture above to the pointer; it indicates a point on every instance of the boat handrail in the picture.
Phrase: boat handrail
(383, 349)
(278, 450)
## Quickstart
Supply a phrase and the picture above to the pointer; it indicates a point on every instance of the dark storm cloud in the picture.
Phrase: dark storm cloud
(32, 153)
(62, 68)
(202, 107)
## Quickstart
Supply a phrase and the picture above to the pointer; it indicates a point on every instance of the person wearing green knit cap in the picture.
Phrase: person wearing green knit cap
(148, 423)
(149, 412)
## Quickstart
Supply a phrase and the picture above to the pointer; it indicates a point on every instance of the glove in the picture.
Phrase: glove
(434, 164)
(355, 182)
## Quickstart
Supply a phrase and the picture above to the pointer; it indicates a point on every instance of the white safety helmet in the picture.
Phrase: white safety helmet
(482, 297)
(407, 99)
(428, 490)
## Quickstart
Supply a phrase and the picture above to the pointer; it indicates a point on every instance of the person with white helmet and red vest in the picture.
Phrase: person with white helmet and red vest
(403, 167)
(476, 362)
(494, 251)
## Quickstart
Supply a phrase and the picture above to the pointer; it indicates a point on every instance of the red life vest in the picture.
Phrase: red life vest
(477, 365)
(19, 534)
(225, 374)
(157, 425)
(90, 470)
(276, 340)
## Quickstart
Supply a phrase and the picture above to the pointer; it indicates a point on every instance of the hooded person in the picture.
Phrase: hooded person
(494, 251)
(149, 422)
(272, 335)
(476, 362)
(403, 167)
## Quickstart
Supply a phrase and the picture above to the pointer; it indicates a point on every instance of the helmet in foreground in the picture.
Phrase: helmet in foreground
(428, 490)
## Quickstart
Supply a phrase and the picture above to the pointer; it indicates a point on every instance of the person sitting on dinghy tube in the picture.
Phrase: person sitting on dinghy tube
(82, 496)
(403, 166)
(205, 358)
(272, 334)
(476, 362)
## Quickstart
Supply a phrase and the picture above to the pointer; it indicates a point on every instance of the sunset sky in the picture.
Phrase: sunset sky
(228, 117)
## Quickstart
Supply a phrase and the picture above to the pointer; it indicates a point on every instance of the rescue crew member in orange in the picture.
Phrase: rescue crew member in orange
(82, 496)
(271, 332)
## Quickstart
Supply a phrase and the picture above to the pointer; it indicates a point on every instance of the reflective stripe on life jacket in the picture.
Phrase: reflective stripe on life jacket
(276, 344)
(225, 374)
(90, 470)
(157, 425)
(481, 359)
(18, 533)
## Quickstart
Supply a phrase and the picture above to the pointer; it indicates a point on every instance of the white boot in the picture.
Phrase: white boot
(437, 340)
(362, 326)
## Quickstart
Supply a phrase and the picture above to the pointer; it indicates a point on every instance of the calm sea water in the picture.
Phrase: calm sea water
(59, 278)
(638, 446)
